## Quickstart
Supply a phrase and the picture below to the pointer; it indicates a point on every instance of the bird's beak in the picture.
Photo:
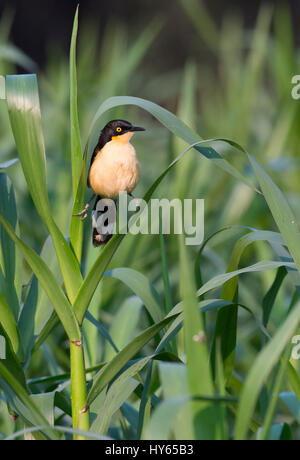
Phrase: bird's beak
(137, 128)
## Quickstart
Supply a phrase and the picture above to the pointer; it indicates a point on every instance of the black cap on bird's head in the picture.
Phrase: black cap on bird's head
(118, 128)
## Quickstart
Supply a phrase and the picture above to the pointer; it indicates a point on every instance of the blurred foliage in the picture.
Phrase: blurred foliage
(243, 92)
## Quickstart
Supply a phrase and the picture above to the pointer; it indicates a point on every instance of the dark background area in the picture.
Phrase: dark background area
(36, 23)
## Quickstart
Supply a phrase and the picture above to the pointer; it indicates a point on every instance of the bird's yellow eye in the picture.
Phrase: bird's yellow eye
(119, 130)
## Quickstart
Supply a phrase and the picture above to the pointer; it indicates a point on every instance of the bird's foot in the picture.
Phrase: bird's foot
(84, 213)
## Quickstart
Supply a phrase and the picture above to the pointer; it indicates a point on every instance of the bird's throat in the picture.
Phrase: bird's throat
(123, 138)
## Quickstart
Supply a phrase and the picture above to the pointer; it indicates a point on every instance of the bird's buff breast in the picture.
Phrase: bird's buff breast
(114, 170)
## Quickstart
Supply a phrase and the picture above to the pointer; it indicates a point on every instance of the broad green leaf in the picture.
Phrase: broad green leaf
(121, 359)
(25, 118)
(8, 257)
(94, 276)
(9, 325)
(9, 163)
(261, 370)
(171, 122)
(280, 210)
(35, 415)
(50, 285)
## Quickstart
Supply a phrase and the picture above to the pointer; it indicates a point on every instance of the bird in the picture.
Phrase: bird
(114, 168)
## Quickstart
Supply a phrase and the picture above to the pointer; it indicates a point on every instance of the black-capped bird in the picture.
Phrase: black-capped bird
(114, 169)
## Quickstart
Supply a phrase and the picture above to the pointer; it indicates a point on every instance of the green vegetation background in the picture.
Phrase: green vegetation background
(241, 91)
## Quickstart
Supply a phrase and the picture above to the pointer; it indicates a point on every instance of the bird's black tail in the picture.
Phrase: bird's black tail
(101, 236)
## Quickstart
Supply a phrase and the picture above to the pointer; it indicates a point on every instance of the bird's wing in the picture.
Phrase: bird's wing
(97, 149)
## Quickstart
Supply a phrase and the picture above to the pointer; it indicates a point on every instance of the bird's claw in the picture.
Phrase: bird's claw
(83, 214)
